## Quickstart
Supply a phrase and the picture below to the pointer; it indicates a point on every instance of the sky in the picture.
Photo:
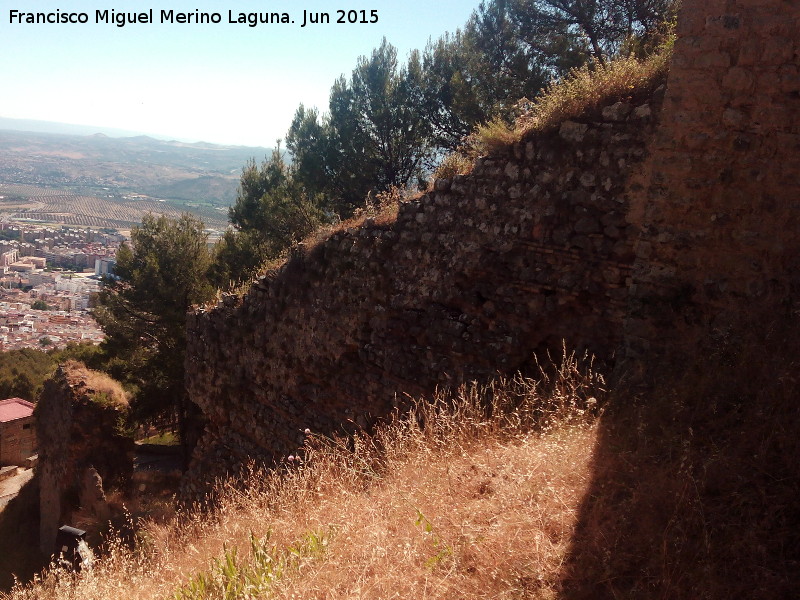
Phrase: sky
(224, 83)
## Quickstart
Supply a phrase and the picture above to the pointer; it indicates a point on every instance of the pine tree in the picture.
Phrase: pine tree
(143, 314)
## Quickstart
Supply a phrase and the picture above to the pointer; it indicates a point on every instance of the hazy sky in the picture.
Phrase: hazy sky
(223, 83)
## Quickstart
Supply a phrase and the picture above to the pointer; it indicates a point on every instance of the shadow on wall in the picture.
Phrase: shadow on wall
(696, 481)
(19, 537)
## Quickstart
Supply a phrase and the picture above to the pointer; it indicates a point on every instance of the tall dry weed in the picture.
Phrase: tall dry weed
(467, 495)
(583, 90)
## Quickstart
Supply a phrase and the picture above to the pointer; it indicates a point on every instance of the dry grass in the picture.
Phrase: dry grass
(100, 387)
(588, 89)
(472, 497)
(380, 210)
(584, 90)
(456, 163)
(515, 490)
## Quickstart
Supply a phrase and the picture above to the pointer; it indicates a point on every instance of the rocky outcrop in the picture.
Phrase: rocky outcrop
(78, 419)
(473, 278)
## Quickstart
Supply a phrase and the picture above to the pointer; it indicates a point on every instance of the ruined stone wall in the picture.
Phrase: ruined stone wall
(77, 424)
(566, 235)
(530, 249)
(721, 210)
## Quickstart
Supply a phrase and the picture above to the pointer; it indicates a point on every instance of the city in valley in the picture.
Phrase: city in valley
(49, 277)
(64, 198)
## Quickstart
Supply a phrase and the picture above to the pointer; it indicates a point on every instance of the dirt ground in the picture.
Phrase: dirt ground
(10, 487)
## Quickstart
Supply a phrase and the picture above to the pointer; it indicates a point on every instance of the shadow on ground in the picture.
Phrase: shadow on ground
(696, 482)
(19, 537)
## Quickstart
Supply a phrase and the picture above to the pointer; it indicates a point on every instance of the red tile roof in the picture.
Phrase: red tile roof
(15, 408)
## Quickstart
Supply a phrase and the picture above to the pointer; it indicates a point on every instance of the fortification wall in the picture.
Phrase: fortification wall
(77, 419)
(566, 235)
(720, 216)
(530, 249)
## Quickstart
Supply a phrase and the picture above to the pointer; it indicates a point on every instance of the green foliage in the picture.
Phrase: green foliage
(143, 312)
(90, 355)
(22, 372)
(598, 29)
(478, 75)
(272, 211)
(231, 578)
(374, 137)
(443, 550)
(40, 305)
(452, 103)
(313, 159)
(390, 124)
(503, 64)
(237, 258)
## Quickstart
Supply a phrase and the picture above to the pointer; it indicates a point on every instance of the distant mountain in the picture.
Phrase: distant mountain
(35, 126)
(64, 128)
(198, 177)
(85, 152)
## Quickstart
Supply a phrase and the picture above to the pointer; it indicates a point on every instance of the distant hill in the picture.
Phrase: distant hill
(36, 126)
(198, 177)
(64, 128)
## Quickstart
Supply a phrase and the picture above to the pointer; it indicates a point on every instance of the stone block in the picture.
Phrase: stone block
(587, 224)
(789, 79)
(750, 52)
(572, 131)
(643, 112)
(739, 80)
(512, 171)
(617, 112)
(777, 51)
(442, 185)
(713, 60)
(588, 180)
(733, 118)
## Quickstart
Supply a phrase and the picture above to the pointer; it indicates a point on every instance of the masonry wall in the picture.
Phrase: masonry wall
(77, 433)
(472, 279)
(567, 235)
(720, 215)
(17, 441)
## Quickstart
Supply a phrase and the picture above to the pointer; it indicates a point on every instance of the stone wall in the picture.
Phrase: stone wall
(472, 279)
(570, 234)
(720, 215)
(77, 423)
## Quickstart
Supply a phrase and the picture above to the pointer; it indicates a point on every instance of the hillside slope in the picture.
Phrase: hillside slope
(468, 505)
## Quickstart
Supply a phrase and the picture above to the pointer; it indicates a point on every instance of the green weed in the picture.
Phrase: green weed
(231, 578)
(443, 550)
